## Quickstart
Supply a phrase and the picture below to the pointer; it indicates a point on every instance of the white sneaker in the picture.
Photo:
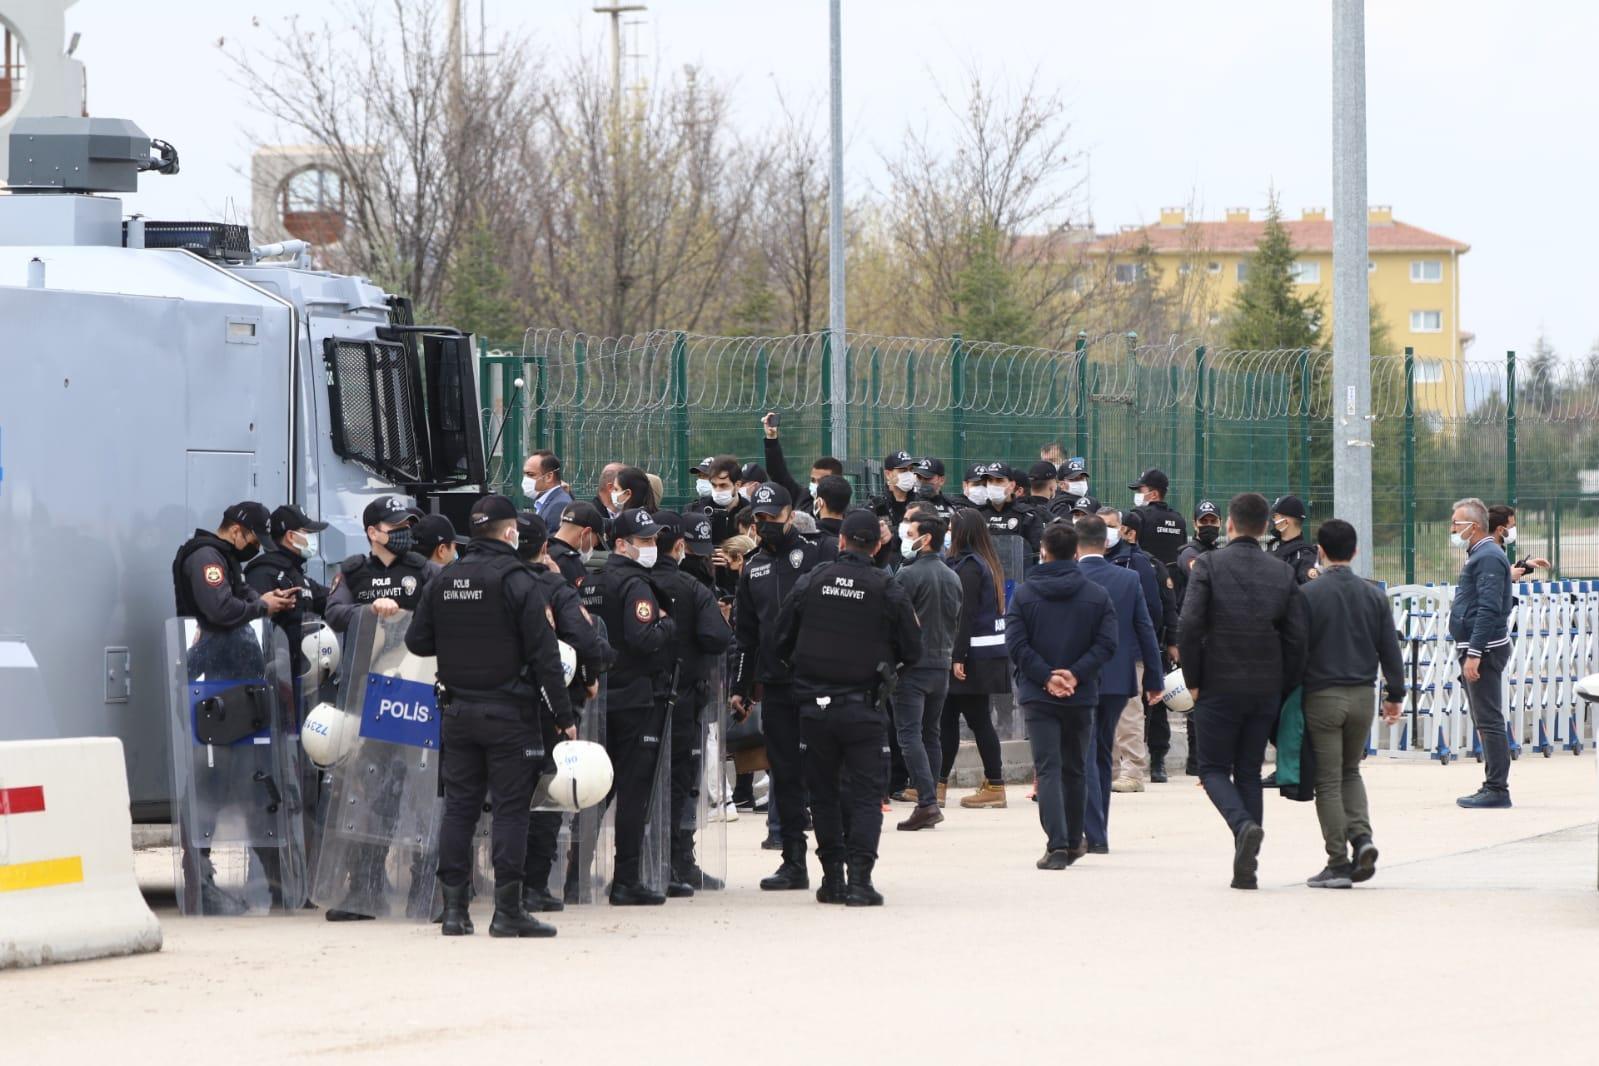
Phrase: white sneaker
(1127, 784)
(725, 813)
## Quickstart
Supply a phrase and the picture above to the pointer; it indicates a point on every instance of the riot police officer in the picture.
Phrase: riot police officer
(930, 489)
(846, 628)
(1005, 516)
(1163, 532)
(434, 539)
(582, 530)
(899, 478)
(595, 655)
(625, 598)
(766, 580)
(1207, 538)
(388, 579)
(282, 567)
(703, 635)
(499, 671)
(1288, 538)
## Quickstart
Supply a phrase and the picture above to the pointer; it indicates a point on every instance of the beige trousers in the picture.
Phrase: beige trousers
(1131, 757)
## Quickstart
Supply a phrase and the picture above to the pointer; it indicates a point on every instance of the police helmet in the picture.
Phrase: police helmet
(320, 646)
(1176, 692)
(1588, 689)
(568, 661)
(583, 775)
(328, 735)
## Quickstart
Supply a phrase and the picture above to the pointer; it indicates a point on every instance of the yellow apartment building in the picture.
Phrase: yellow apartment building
(1414, 277)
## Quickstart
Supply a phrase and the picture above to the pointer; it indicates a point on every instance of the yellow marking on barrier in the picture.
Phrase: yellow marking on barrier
(46, 874)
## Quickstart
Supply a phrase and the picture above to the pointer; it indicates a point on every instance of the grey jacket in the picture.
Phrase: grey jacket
(1479, 619)
(935, 592)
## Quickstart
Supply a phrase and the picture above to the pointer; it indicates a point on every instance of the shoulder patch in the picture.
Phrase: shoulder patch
(644, 610)
(213, 575)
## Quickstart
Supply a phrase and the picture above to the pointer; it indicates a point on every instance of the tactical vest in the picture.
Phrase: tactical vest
(615, 593)
(843, 636)
(402, 582)
(988, 623)
(1293, 552)
(477, 641)
(183, 595)
(1164, 534)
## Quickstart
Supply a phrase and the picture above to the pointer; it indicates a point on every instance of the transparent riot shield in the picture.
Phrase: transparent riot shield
(239, 843)
(314, 657)
(1013, 558)
(699, 856)
(656, 868)
(575, 848)
(379, 852)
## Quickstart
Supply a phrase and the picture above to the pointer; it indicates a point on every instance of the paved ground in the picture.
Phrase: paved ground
(1476, 942)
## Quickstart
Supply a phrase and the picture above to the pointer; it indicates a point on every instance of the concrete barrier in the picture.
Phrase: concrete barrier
(67, 890)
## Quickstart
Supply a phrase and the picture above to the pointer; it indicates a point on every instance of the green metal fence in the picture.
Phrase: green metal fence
(1217, 421)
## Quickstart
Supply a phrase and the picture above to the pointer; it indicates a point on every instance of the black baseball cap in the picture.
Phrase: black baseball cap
(1132, 521)
(252, 516)
(585, 515)
(1290, 507)
(635, 522)
(771, 498)
(1003, 471)
(1085, 505)
(531, 533)
(860, 527)
(393, 510)
(1206, 508)
(703, 466)
(490, 509)
(697, 534)
(929, 467)
(1042, 471)
(289, 517)
(433, 530)
(1073, 468)
(1151, 479)
(977, 472)
(899, 460)
(754, 472)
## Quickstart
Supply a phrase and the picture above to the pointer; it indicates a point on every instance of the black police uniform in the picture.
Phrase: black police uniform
(283, 569)
(703, 636)
(362, 579)
(497, 680)
(1164, 532)
(768, 577)
(1187, 558)
(1014, 520)
(573, 569)
(638, 688)
(208, 585)
(845, 628)
(1299, 554)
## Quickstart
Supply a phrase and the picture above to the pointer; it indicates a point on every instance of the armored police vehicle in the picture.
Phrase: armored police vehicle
(151, 374)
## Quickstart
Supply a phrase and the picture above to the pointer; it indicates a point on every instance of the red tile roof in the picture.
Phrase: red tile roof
(1314, 235)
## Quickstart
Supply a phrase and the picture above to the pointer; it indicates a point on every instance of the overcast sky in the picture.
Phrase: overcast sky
(1481, 115)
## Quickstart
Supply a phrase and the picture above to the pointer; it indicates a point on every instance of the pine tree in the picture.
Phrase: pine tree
(478, 295)
(1268, 312)
(987, 308)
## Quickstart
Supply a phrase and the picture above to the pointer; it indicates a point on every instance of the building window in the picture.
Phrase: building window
(1426, 270)
(1426, 321)
(1371, 266)
(1243, 272)
(1429, 371)
(1127, 273)
(1214, 268)
(1184, 269)
(311, 205)
(1307, 273)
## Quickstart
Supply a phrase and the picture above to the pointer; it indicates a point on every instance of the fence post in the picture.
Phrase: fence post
(1304, 425)
(1199, 424)
(580, 396)
(957, 395)
(876, 447)
(1510, 428)
(1082, 393)
(1407, 468)
(540, 402)
(827, 385)
(680, 458)
(910, 397)
(1555, 557)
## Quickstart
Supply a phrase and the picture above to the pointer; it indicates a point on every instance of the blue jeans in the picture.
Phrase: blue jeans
(1059, 737)
(1106, 717)
(918, 710)
(1232, 729)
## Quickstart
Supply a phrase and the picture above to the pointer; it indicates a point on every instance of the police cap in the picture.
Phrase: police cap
(861, 527)
(1152, 478)
(1289, 507)
(754, 472)
(1132, 521)
(1074, 468)
(635, 522)
(289, 517)
(929, 467)
(395, 510)
(433, 530)
(1042, 471)
(531, 533)
(1206, 508)
(585, 515)
(770, 499)
(898, 461)
(977, 472)
(487, 510)
(703, 466)
(252, 516)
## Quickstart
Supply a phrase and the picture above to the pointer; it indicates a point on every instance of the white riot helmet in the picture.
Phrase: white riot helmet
(583, 775)
(568, 661)
(320, 646)
(328, 735)
(1588, 689)
(1176, 692)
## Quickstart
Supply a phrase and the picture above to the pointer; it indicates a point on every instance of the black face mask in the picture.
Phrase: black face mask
(248, 552)
(1207, 534)
(400, 541)
(771, 534)
(926, 490)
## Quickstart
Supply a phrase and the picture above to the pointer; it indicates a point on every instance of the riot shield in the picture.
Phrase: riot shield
(700, 852)
(239, 843)
(1013, 556)
(379, 852)
(576, 848)
(655, 744)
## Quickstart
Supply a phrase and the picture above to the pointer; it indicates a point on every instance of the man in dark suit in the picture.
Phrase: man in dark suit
(1136, 662)
(1244, 638)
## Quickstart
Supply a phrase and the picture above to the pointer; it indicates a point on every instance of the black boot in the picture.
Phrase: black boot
(791, 876)
(1157, 771)
(634, 894)
(834, 888)
(686, 871)
(536, 899)
(457, 920)
(861, 892)
(510, 919)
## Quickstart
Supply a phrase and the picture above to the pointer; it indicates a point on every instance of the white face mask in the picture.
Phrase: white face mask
(721, 497)
(747, 491)
(1077, 488)
(618, 498)
(905, 481)
(584, 554)
(907, 537)
(813, 488)
(949, 539)
(1456, 540)
(702, 487)
(1510, 535)
(1139, 499)
(647, 555)
(1113, 537)
(530, 486)
(978, 494)
(997, 495)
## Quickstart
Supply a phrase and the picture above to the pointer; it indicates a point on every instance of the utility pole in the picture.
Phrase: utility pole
(1351, 400)
(839, 393)
(456, 43)
(616, 11)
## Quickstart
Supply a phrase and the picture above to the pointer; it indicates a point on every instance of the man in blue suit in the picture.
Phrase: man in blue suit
(1137, 659)
(541, 484)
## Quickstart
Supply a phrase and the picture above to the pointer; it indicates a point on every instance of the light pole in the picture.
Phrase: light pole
(839, 391)
(1351, 399)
